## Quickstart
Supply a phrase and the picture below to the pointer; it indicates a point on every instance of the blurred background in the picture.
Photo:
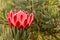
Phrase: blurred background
(46, 25)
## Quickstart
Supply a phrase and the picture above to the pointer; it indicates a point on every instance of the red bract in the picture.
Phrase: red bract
(20, 19)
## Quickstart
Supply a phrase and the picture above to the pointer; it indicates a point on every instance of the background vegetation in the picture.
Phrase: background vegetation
(46, 25)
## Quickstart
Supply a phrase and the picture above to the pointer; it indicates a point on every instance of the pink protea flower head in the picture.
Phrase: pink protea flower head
(20, 19)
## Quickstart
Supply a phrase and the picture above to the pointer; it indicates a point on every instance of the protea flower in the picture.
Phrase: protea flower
(20, 19)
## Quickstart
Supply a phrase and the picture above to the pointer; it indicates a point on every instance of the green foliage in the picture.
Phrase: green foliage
(46, 25)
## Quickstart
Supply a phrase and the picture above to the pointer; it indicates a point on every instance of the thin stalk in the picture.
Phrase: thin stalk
(31, 9)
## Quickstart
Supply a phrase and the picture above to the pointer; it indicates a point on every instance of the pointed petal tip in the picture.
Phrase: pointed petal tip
(27, 12)
(32, 14)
